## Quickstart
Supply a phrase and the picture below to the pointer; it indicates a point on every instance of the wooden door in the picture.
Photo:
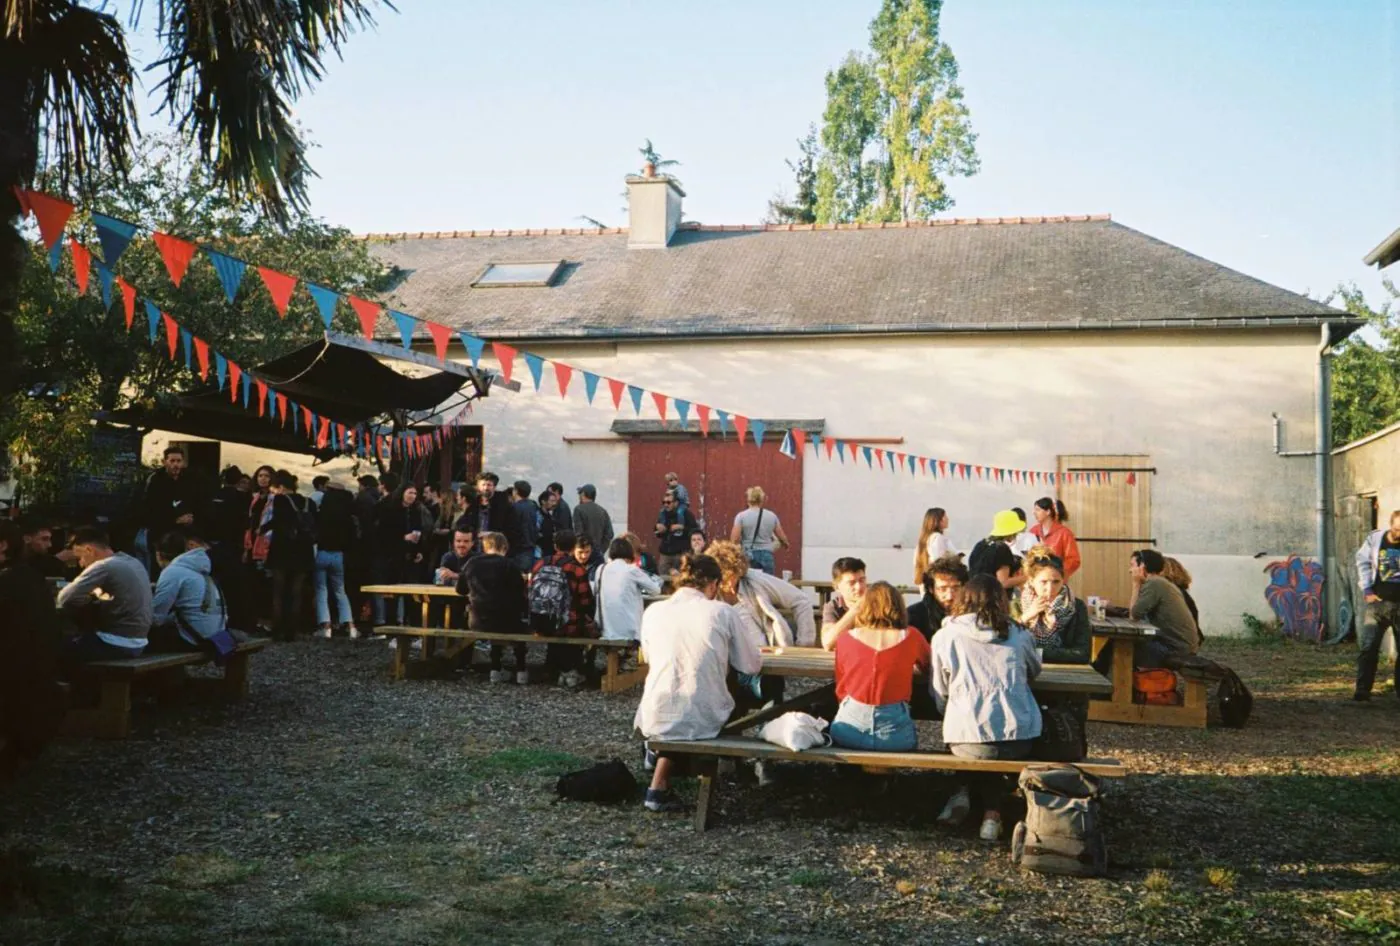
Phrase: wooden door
(1110, 518)
(716, 472)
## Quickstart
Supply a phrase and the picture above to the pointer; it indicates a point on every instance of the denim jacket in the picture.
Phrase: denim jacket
(982, 685)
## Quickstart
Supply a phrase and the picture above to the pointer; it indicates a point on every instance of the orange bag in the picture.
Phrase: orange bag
(1155, 687)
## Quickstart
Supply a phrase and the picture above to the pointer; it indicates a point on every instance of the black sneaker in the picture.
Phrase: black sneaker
(662, 800)
(1360, 697)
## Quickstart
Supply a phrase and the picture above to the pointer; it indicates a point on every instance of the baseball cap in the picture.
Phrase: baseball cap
(589, 490)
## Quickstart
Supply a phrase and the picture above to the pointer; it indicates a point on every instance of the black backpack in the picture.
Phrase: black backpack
(304, 522)
(606, 783)
(1236, 702)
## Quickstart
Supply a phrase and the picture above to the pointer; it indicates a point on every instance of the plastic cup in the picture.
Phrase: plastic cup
(787, 574)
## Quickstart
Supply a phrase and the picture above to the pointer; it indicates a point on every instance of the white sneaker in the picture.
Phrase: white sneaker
(955, 811)
(417, 645)
(991, 828)
(354, 633)
(570, 679)
(500, 676)
(324, 633)
(765, 776)
(522, 677)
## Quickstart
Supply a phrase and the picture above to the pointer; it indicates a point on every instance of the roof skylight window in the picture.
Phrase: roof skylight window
(514, 275)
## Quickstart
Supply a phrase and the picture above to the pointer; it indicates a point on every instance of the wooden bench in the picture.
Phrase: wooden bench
(111, 717)
(615, 679)
(745, 747)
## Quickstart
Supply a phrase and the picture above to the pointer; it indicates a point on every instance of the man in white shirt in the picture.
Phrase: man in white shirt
(619, 588)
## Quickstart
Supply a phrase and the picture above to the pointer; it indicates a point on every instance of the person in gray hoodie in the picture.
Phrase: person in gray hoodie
(980, 678)
(188, 608)
(110, 601)
(1378, 574)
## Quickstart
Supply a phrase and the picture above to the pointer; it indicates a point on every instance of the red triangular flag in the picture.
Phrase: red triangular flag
(880, 458)
(660, 401)
(923, 464)
(900, 458)
(324, 437)
(741, 424)
(128, 300)
(1132, 479)
(977, 472)
(234, 374)
(282, 408)
(506, 356)
(616, 387)
(306, 416)
(279, 286)
(177, 254)
(563, 374)
(368, 313)
(799, 439)
(172, 333)
(201, 352)
(703, 412)
(82, 263)
(20, 193)
(441, 336)
(262, 396)
(341, 433)
(52, 215)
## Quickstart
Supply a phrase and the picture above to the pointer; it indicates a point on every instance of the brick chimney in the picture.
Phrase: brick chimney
(653, 208)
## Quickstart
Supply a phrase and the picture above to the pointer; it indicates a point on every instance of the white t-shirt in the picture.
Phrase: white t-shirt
(762, 520)
(1023, 544)
(939, 545)
(619, 588)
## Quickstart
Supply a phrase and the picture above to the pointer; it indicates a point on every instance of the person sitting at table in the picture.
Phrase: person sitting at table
(187, 608)
(698, 542)
(692, 642)
(847, 589)
(1176, 573)
(643, 559)
(995, 556)
(446, 612)
(875, 664)
(1161, 604)
(569, 563)
(780, 612)
(110, 600)
(942, 580)
(982, 668)
(32, 704)
(619, 589)
(495, 593)
(1046, 607)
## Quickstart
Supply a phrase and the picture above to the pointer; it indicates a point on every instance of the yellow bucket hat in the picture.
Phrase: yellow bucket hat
(1007, 523)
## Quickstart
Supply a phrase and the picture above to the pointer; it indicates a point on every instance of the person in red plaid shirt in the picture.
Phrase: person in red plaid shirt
(567, 659)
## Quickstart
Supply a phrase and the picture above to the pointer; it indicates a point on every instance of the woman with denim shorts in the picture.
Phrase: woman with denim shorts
(875, 665)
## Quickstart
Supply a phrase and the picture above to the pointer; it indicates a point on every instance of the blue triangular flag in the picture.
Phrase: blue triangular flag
(56, 254)
(271, 403)
(406, 324)
(230, 270)
(221, 369)
(152, 318)
(105, 277)
(889, 456)
(590, 385)
(114, 235)
(187, 339)
(757, 428)
(866, 452)
(636, 394)
(723, 419)
(911, 464)
(474, 346)
(536, 365)
(247, 386)
(786, 448)
(325, 301)
(294, 409)
(683, 409)
(841, 450)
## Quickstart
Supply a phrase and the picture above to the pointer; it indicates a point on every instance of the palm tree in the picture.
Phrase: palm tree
(229, 73)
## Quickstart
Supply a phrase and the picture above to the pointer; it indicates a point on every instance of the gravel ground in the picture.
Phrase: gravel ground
(334, 806)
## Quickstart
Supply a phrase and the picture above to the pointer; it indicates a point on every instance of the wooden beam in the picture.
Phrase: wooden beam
(484, 380)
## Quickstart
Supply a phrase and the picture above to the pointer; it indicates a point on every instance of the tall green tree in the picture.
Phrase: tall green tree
(802, 208)
(896, 126)
(1366, 377)
(228, 73)
(79, 355)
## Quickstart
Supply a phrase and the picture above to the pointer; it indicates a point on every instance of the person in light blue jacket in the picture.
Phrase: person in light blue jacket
(980, 678)
(187, 607)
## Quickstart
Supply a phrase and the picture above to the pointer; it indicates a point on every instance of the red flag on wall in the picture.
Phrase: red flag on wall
(441, 335)
(506, 356)
(563, 374)
(799, 438)
(616, 387)
(741, 424)
(660, 401)
(702, 411)
(176, 253)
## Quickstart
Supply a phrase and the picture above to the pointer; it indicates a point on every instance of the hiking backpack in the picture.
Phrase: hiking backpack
(1063, 831)
(550, 599)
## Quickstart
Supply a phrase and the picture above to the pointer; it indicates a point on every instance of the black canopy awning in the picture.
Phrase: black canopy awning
(212, 415)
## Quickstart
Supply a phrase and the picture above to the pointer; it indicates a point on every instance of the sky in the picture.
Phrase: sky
(1261, 134)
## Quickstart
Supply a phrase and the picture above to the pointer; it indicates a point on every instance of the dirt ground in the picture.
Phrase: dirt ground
(337, 807)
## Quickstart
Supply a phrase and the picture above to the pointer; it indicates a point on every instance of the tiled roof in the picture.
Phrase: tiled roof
(1012, 273)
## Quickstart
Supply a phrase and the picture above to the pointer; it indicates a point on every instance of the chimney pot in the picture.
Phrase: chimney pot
(653, 208)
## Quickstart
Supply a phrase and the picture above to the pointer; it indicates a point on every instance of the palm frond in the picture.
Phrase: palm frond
(233, 70)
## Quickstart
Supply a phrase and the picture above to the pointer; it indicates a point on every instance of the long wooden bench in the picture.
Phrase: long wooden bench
(111, 717)
(615, 679)
(744, 747)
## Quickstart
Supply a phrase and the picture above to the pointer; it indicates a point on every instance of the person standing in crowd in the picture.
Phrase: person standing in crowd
(187, 608)
(1046, 608)
(490, 511)
(549, 523)
(848, 588)
(226, 517)
(444, 526)
(170, 498)
(620, 586)
(431, 500)
(555, 578)
(257, 583)
(674, 524)
(1378, 574)
(1161, 604)
(933, 542)
(527, 524)
(674, 485)
(1050, 530)
(692, 642)
(1024, 541)
(942, 581)
(318, 488)
(291, 553)
(495, 593)
(875, 665)
(591, 519)
(366, 498)
(336, 536)
(758, 531)
(994, 555)
(563, 513)
(982, 668)
(110, 601)
(401, 525)
(31, 701)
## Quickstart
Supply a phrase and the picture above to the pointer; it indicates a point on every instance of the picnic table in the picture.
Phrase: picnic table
(825, 589)
(816, 662)
(1119, 635)
(424, 593)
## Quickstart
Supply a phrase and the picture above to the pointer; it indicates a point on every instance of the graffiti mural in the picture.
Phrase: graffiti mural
(1295, 593)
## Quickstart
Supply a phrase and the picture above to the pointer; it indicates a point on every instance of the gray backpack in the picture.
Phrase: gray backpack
(1063, 831)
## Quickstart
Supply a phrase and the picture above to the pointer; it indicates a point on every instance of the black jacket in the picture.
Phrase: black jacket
(164, 500)
(290, 548)
(926, 616)
(500, 517)
(226, 517)
(495, 592)
(676, 543)
(336, 528)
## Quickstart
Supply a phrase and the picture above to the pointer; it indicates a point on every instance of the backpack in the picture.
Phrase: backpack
(1236, 702)
(303, 523)
(1063, 831)
(605, 783)
(1062, 733)
(550, 599)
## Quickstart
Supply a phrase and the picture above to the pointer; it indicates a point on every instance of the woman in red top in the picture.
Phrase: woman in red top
(875, 664)
(1050, 518)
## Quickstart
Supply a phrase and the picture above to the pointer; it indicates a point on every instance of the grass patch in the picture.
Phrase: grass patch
(1221, 878)
(349, 902)
(807, 877)
(525, 762)
(197, 871)
(1158, 881)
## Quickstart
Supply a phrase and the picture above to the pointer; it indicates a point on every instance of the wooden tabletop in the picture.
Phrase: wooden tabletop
(822, 585)
(815, 662)
(1121, 627)
(444, 591)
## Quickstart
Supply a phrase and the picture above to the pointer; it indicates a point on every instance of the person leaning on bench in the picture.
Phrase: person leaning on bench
(495, 592)
(692, 641)
(110, 601)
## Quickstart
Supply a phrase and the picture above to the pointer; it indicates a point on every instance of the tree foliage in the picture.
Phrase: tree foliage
(803, 206)
(895, 127)
(1366, 377)
(78, 357)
